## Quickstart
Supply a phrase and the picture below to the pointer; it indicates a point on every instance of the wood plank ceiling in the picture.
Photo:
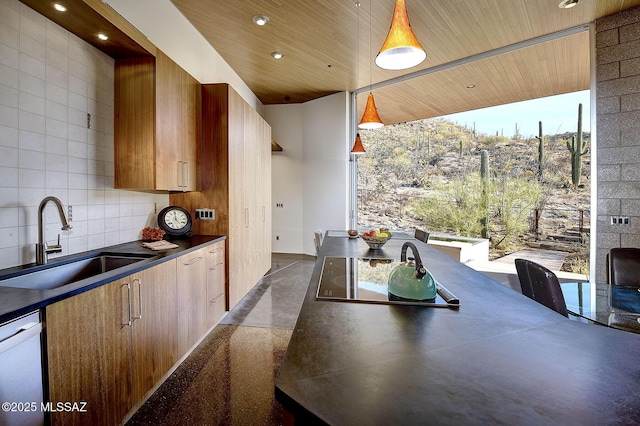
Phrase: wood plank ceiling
(329, 46)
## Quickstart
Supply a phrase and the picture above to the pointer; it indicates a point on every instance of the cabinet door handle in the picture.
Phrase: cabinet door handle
(180, 171)
(192, 261)
(246, 218)
(185, 175)
(139, 316)
(264, 213)
(220, 296)
(128, 322)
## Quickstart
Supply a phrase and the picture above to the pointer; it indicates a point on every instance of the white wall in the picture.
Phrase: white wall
(310, 177)
(287, 186)
(163, 24)
(49, 81)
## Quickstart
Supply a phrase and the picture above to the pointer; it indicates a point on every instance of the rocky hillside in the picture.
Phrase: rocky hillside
(411, 161)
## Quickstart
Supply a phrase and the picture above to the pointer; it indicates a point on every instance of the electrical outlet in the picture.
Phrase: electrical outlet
(205, 214)
(279, 205)
(620, 220)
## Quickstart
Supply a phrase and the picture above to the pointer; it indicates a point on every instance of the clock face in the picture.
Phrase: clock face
(175, 221)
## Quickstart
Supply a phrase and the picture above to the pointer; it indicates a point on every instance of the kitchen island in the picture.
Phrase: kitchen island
(500, 358)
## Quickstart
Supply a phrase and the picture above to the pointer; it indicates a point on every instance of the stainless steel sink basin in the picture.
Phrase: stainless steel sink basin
(57, 275)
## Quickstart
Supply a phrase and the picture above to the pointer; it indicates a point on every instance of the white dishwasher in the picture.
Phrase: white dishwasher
(21, 371)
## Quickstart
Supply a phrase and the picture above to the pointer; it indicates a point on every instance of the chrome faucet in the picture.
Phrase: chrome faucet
(42, 249)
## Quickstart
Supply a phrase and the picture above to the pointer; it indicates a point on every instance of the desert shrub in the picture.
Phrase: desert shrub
(515, 198)
(453, 206)
(456, 206)
(489, 141)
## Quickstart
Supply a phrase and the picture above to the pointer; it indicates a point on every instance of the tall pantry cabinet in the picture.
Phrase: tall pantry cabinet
(235, 167)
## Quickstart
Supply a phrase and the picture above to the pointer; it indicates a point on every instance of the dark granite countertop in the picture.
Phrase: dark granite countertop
(500, 358)
(17, 301)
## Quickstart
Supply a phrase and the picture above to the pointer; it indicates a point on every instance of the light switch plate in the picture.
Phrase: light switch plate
(205, 214)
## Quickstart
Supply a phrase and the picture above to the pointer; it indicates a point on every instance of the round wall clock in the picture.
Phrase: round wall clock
(175, 221)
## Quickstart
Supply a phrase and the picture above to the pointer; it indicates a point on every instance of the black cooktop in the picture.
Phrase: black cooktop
(350, 279)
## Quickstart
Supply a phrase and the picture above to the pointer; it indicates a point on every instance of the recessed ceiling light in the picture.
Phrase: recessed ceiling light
(568, 4)
(261, 20)
(277, 55)
(103, 37)
(59, 7)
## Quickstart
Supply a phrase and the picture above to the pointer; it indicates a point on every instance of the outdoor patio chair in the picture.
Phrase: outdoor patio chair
(542, 285)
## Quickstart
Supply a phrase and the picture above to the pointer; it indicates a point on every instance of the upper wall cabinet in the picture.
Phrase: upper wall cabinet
(156, 119)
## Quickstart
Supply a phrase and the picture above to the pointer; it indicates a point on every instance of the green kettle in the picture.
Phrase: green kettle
(410, 280)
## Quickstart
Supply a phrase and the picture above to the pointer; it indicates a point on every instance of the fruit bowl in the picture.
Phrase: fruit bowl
(375, 239)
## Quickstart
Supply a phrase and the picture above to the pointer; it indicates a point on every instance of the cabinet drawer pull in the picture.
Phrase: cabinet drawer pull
(192, 261)
(139, 316)
(216, 250)
(128, 322)
(218, 297)
(217, 266)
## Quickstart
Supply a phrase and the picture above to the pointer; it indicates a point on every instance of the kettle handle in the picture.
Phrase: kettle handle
(420, 270)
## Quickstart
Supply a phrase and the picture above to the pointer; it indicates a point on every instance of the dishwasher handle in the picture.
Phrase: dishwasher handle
(23, 334)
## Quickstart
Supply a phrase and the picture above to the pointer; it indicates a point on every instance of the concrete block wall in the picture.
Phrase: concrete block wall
(618, 132)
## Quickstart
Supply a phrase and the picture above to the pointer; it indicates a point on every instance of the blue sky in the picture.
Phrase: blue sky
(558, 114)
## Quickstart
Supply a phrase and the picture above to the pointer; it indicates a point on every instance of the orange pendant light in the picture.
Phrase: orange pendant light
(401, 49)
(370, 118)
(358, 148)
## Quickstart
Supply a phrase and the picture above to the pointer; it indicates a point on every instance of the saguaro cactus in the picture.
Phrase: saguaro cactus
(540, 151)
(484, 177)
(577, 150)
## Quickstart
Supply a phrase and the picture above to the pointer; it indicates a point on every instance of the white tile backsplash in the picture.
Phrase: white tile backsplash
(9, 116)
(8, 177)
(8, 158)
(9, 96)
(34, 160)
(9, 53)
(49, 81)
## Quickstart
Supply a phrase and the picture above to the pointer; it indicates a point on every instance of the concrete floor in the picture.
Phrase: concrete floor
(229, 378)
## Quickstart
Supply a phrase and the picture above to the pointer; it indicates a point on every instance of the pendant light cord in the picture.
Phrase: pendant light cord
(358, 41)
(370, 70)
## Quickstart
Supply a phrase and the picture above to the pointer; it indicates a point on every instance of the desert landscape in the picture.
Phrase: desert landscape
(413, 171)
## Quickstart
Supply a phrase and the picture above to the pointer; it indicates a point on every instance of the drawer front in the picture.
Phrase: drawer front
(216, 279)
(215, 254)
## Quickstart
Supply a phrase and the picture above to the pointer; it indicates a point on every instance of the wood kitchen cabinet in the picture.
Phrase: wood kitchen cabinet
(235, 161)
(192, 298)
(156, 125)
(154, 330)
(109, 346)
(89, 355)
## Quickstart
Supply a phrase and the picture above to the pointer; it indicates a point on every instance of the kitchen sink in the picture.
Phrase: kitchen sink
(67, 272)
